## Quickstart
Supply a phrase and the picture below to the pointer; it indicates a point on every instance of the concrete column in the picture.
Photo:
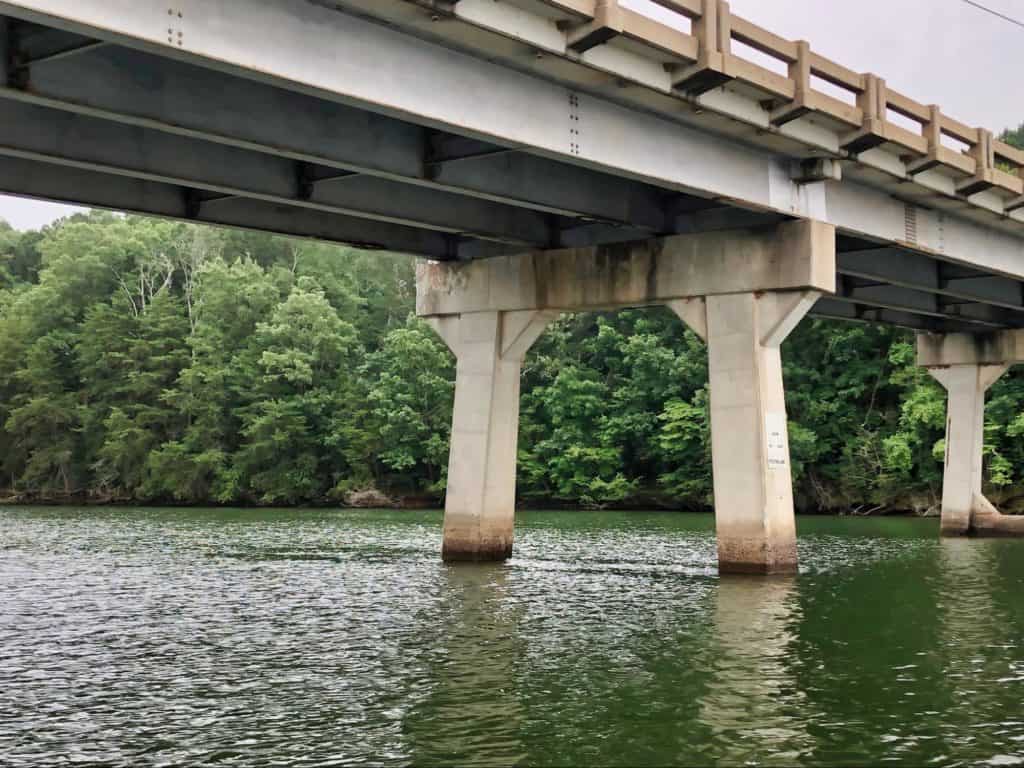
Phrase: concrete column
(480, 503)
(965, 510)
(749, 435)
(967, 365)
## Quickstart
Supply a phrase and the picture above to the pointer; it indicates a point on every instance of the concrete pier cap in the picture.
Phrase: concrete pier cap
(795, 255)
(967, 365)
(742, 291)
(939, 350)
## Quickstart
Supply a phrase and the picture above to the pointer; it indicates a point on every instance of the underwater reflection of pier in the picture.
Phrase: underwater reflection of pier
(752, 705)
(976, 633)
(469, 715)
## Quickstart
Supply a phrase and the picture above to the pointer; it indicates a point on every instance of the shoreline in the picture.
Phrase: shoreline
(911, 506)
(414, 503)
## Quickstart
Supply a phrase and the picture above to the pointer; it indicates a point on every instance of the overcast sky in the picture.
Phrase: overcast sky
(942, 52)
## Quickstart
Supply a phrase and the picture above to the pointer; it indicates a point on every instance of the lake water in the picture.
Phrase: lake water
(166, 637)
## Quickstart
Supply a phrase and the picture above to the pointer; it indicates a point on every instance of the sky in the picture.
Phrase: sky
(944, 52)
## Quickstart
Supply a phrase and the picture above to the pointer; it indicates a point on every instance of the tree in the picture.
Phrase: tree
(216, 386)
(125, 416)
(1014, 136)
(306, 355)
(410, 399)
(19, 260)
(150, 360)
(684, 440)
(577, 455)
(43, 422)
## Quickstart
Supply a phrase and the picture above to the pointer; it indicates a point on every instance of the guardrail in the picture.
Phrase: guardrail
(861, 107)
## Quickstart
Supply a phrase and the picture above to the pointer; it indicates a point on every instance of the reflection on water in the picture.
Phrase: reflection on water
(469, 715)
(330, 638)
(981, 641)
(751, 704)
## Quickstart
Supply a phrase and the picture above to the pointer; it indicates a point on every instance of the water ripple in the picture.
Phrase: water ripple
(171, 637)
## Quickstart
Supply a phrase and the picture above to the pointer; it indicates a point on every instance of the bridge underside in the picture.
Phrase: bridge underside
(92, 121)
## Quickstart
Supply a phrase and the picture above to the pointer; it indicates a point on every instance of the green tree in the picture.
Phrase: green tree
(684, 440)
(307, 357)
(1014, 136)
(409, 401)
(152, 360)
(43, 421)
(217, 384)
(125, 414)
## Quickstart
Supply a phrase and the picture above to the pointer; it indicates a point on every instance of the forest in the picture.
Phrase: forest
(151, 361)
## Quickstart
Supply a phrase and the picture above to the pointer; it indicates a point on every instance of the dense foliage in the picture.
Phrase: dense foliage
(1014, 136)
(154, 361)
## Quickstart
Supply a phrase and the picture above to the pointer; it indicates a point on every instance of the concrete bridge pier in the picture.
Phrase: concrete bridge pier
(742, 291)
(480, 505)
(967, 365)
(749, 432)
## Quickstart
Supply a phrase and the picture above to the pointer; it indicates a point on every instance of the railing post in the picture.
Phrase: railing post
(933, 134)
(724, 30)
(984, 163)
(800, 74)
(713, 31)
(874, 105)
(706, 28)
(606, 24)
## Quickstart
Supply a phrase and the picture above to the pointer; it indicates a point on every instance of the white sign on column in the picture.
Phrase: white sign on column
(775, 441)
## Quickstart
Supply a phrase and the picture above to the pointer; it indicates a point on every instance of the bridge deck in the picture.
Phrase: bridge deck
(458, 130)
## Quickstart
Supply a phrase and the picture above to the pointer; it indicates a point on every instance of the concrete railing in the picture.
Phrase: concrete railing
(861, 108)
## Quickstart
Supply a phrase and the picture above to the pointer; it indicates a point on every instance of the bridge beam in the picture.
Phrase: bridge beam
(742, 291)
(30, 178)
(82, 141)
(967, 365)
(134, 88)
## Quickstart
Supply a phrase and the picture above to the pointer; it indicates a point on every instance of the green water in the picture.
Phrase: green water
(170, 637)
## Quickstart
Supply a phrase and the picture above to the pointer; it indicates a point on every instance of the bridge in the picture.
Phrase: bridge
(546, 156)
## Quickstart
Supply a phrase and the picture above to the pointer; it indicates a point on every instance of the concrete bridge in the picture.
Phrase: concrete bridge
(546, 156)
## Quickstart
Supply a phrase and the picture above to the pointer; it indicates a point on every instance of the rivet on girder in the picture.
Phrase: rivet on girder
(574, 124)
(175, 32)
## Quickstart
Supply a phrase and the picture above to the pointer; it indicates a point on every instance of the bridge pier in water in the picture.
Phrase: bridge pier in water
(489, 348)
(742, 291)
(749, 437)
(967, 365)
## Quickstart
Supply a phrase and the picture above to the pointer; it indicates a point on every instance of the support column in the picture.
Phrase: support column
(967, 366)
(749, 434)
(965, 510)
(480, 502)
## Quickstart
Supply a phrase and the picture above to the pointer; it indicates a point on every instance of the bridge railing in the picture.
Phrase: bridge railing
(699, 51)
